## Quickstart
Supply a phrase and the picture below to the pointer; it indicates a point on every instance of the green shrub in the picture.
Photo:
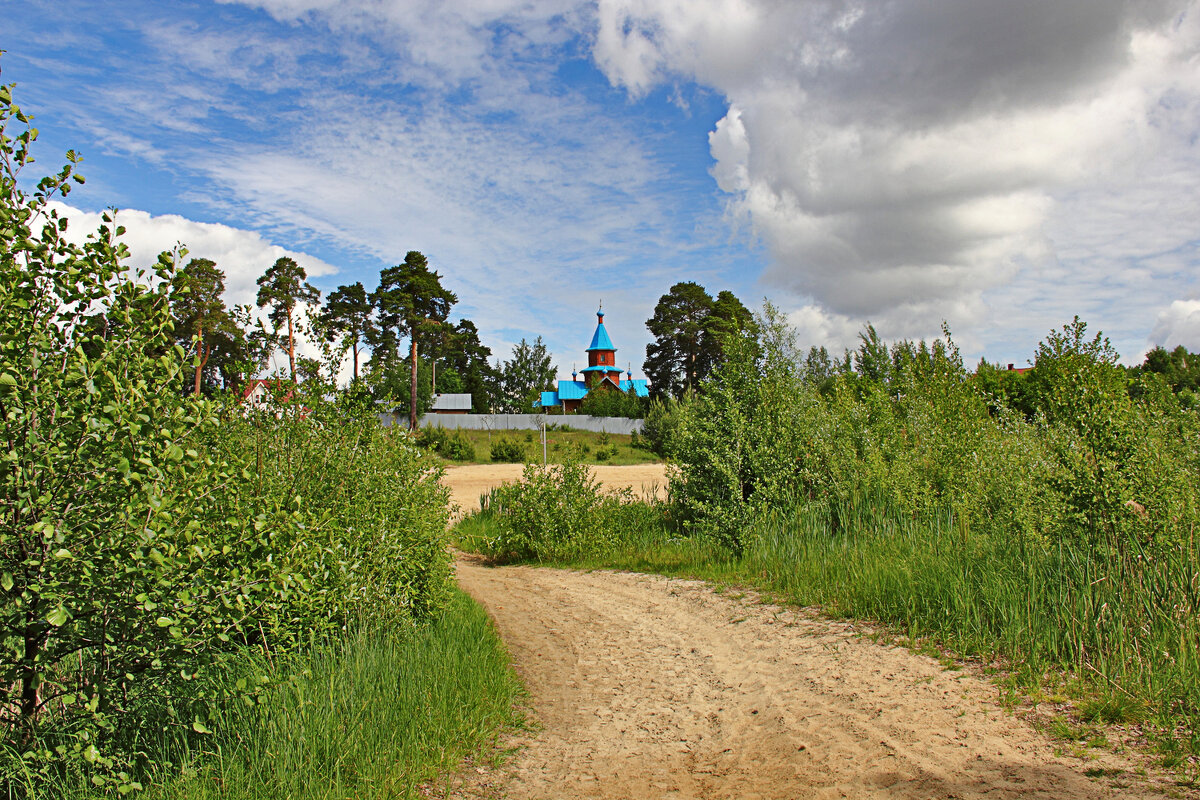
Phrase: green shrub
(458, 448)
(432, 437)
(507, 451)
(557, 512)
(658, 430)
(613, 403)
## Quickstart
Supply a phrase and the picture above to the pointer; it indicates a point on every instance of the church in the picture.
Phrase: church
(601, 374)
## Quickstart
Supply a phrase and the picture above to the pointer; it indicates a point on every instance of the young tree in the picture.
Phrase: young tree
(198, 310)
(528, 373)
(283, 287)
(348, 313)
(412, 302)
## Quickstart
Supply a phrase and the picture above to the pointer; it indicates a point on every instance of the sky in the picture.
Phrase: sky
(1000, 167)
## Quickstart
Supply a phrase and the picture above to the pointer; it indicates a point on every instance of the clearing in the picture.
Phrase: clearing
(644, 686)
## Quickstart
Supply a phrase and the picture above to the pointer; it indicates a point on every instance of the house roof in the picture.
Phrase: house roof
(600, 340)
(640, 387)
(572, 390)
(451, 402)
(577, 390)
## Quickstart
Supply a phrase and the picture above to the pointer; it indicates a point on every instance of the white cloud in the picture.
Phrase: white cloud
(1178, 324)
(243, 255)
(908, 161)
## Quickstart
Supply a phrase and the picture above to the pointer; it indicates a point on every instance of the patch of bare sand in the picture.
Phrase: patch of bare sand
(646, 687)
(468, 482)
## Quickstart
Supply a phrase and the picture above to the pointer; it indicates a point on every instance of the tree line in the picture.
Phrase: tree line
(415, 349)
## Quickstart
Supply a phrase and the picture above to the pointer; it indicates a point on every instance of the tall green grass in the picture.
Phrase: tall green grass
(1127, 624)
(378, 714)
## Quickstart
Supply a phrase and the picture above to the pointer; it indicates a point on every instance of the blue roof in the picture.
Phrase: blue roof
(640, 388)
(602, 368)
(600, 340)
(572, 390)
(577, 390)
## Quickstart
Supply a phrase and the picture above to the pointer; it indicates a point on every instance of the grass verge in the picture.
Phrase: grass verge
(378, 715)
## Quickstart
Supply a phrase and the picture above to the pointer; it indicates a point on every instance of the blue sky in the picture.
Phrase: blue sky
(1002, 167)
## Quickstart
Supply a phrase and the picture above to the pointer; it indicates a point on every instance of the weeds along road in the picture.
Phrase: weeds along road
(647, 687)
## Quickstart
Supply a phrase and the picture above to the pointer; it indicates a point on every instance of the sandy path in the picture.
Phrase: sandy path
(468, 482)
(648, 687)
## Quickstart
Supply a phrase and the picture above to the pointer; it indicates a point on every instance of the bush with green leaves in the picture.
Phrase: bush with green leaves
(507, 451)
(556, 512)
(613, 403)
(1093, 464)
(454, 446)
(661, 421)
(458, 448)
(148, 539)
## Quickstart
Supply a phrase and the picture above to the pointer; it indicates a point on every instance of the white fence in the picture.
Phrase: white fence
(521, 422)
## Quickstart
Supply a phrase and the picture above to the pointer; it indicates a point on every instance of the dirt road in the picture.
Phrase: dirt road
(647, 687)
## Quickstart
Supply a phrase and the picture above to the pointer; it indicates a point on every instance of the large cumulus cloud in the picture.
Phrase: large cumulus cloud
(900, 159)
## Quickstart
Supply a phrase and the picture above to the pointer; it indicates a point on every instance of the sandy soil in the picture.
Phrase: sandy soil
(647, 687)
(468, 482)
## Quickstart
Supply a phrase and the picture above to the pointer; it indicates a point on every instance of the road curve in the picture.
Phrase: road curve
(647, 687)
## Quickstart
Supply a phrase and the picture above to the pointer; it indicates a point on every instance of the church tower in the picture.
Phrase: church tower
(602, 358)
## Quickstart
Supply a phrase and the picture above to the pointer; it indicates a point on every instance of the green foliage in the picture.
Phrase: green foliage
(454, 446)
(915, 428)
(690, 329)
(281, 288)
(1180, 370)
(507, 451)
(661, 425)
(613, 403)
(556, 512)
(149, 541)
(524, 377)
(202, 323)
(385, 709)
(348, 314)
(412, 302)
(466, 355)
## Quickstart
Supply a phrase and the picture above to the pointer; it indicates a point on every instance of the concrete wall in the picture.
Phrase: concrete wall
(520, 422)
